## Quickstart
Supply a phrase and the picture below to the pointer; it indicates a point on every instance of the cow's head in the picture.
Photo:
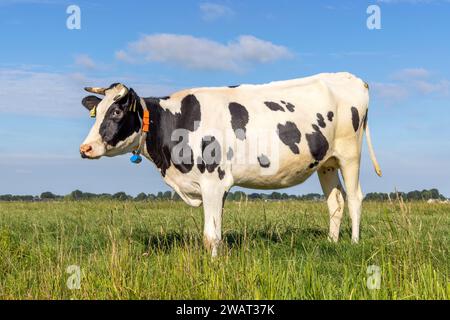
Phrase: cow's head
(118, 122)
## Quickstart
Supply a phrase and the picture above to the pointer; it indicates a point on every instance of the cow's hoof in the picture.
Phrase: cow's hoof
(212, 246)
(333, 238)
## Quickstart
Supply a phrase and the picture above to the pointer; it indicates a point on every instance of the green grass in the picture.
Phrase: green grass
(275, 250)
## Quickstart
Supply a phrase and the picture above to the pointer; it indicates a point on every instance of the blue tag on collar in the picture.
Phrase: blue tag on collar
(136, 159)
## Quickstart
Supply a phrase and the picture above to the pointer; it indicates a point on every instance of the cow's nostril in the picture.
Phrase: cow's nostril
(84, 149)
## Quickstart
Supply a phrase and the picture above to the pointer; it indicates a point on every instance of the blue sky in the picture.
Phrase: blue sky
(160, 47)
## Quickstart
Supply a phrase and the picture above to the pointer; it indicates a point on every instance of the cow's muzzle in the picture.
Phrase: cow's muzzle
(84, 150)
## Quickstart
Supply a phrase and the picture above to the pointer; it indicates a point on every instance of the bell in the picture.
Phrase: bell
(136, 159)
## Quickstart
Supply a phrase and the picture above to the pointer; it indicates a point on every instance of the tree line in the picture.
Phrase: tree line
(78, 195)
(411, 196)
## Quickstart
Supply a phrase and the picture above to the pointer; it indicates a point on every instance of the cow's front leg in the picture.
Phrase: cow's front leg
(213, 201)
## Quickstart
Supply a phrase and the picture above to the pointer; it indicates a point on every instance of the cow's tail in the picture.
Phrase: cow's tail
(371, 151)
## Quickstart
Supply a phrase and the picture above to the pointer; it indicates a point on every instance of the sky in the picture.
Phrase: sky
(160, 47)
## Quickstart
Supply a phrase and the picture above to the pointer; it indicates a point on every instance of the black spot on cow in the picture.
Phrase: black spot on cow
(163, 124)
(264, 161)
(190, 115)
(274, 106)
(355, 118)
(321, 120)
(318, 144)
(221, 173)
(211, 154)
(290, 136)
(201, 165)
(120, 122)
(239, 119)
(290, 107)
(330, 116)
(234, 87)
(230, 154)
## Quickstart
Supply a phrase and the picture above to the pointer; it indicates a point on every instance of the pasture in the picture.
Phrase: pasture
(273, 250)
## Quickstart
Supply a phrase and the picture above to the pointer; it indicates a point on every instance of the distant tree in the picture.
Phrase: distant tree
(121, 196)
(76, 195)
(435, 194)
(376, 196)
(414, 195)
(176, 197)
(141, 197)
(275, 196)
(239, 196)
(254, 196)
(104, 196)
(89, 196)
(311, 197)
(48, 196)
(6, 197)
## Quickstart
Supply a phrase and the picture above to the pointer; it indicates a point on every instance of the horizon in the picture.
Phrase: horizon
(240, 190)
(44, 67)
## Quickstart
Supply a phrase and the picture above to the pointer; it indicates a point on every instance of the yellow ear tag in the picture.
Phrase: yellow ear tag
(93, 112)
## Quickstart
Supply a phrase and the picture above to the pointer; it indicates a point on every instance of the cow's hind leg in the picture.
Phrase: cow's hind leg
(350, 173)
(213, 201)
(332, 188)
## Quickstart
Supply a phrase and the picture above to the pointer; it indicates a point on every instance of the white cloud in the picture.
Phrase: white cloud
(203, 54)
(411, 73)
(213, 11)
(39, 93)
(85, 61)
(390, 91)
(411, 82)
(47, 94)
(441, 87)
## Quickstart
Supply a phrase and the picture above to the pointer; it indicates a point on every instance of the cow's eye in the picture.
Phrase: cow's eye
(117, 113)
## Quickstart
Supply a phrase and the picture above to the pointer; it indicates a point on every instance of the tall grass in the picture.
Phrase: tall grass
(276, 250)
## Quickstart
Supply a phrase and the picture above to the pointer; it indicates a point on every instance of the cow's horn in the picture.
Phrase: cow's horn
(96, 90)
(123, 91)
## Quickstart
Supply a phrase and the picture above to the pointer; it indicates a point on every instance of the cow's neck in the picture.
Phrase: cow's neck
(158, 138)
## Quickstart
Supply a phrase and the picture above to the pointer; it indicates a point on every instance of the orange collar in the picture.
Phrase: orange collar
(146, 121)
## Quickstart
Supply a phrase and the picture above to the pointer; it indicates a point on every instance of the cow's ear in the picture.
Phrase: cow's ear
(91, 102)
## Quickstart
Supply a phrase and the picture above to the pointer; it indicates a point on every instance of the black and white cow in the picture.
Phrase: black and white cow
(205, 141)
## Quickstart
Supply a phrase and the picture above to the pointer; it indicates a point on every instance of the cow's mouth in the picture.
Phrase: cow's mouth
(89, 157)
(87, 151)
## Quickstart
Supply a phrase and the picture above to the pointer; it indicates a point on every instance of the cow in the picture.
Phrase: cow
(316, 124)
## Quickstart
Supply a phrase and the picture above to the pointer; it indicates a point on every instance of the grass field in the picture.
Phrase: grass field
(276, 250)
